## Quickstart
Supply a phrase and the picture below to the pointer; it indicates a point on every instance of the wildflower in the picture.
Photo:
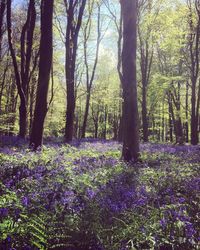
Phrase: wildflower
(163, 223)
(3, 212)
(90, 193)
(25, 201)
(189, 230)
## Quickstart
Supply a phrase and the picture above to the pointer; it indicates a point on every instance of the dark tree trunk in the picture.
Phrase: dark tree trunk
(194, 39)
(144, 115)
(87, 105)
(45, 63)
(105, 122)
(31, 105)
(89, 81)
(130, 109)
(22, 77)
(120, 130)
(2, 12)
(163, 123)
(96, 130)
(95, 117)
(194, 118)
(186, 114)
(71, 45)
(3, 85)
(170, 121)
(146, 57)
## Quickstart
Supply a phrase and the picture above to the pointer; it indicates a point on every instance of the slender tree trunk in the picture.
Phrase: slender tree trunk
(31, 103)
(3, 85)
(170, 122)
(45, 63)
(87, 105)
(22, 77)
(194, 121)
(89, 82)
(186, 114)
(105, 121)
(163, 123)
(71, 45)
(96, 130)
(130, 109)
(144, 114)
(2, 12)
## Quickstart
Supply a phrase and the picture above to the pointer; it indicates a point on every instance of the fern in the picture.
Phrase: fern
(44, 235)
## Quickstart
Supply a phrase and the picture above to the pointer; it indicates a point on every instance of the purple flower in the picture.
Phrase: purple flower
(163, 223)
(189, 230)
(90, 193)
(3, 212)
(25, 201)
(181, 200)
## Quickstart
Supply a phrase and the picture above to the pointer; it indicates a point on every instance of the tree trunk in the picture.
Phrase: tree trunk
(3, 85)
(71, 45)
(144, 114)
(186, 114)
(46, 50)
(22, 78)
(170, 122)
(105, 122)
(2, 11)
(194, 120)
(87, 105)
(130, 109)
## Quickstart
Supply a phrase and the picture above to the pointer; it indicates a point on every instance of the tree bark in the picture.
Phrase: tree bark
(45, 63)
(89, 81)
(2, 12)
(130, 108)
(22, 77)
(194, 39)
(186, 114)
(72, 32)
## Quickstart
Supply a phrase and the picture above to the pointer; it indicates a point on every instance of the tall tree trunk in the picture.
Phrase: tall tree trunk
(105, 121)
(194, 39)
(130, 108)
(163, 123)
(144, 114)
(194, 119)
(45, 63)
(89, 81)
(3, 85)
(71, 45)
(170, 121)
(186, 113)
(87, 105)
(2, 12)
(22, 77)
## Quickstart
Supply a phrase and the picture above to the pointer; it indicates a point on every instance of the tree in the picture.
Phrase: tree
(145, 30)
(2, 11)
(74, 11)
(193, 48)
(90, 78)
(130, 107)
(45, 64)
(22, 75)
(118, 26)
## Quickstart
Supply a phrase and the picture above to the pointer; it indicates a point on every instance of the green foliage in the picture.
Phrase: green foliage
(71, 197)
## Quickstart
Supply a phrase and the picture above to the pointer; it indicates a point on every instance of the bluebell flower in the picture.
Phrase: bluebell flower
(90, 193)
(25, 201)
(3, 212)
(163, 223)
(181, 200)
(189, 230)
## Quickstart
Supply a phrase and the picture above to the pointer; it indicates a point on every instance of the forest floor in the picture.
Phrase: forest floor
(83, 196)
